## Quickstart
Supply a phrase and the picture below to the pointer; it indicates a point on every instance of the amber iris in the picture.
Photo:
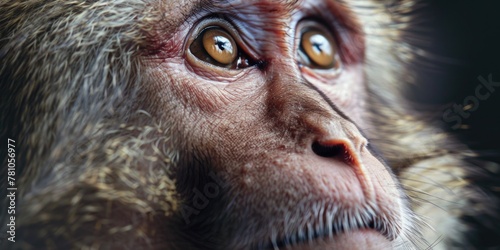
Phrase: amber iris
(220, 46)
(320, 48)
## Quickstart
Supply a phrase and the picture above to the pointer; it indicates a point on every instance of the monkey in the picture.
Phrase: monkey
(224, 124)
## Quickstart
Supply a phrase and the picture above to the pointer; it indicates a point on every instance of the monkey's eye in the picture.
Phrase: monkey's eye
(318, 49)
(216, 46)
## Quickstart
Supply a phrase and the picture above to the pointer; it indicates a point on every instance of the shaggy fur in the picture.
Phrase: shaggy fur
(68, 73)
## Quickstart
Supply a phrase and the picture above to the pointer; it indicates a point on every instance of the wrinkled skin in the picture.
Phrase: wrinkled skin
(255, 128)
(129, 137)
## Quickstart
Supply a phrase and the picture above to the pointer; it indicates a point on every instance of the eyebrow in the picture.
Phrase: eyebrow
(196, 6)
(205, 4)
(199, 5)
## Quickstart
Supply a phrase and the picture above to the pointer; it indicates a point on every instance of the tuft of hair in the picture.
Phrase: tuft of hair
(88, 177)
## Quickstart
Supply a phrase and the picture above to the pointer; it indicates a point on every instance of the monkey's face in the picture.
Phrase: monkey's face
(265, 99)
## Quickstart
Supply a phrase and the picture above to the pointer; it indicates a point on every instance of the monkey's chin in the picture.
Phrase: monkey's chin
(363, 239)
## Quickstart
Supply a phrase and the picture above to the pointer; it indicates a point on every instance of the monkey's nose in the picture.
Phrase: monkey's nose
(344, 151)
(337, 149)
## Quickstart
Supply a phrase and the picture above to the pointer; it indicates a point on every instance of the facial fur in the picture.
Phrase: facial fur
(132, 132)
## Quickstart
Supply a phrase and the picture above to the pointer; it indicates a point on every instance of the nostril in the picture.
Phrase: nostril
(333, 149)
(342, 151)
(327, 150)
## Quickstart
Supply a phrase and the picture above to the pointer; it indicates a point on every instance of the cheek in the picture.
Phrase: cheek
(203, 112)
(176, 81)
(169, 97)
(172, 90)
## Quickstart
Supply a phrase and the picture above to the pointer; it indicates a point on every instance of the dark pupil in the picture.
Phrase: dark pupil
(317, 46)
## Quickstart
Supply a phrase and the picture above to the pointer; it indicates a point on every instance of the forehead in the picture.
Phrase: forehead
(260, 9)
(266, 6)
(180, 10)
(270, 2)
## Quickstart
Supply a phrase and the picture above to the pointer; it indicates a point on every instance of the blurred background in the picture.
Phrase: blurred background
(463, 38)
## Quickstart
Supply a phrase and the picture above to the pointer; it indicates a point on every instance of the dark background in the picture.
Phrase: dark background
(463, 37)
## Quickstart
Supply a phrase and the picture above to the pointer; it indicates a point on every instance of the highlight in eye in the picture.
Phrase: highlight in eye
(220, 46)
(318, 49)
